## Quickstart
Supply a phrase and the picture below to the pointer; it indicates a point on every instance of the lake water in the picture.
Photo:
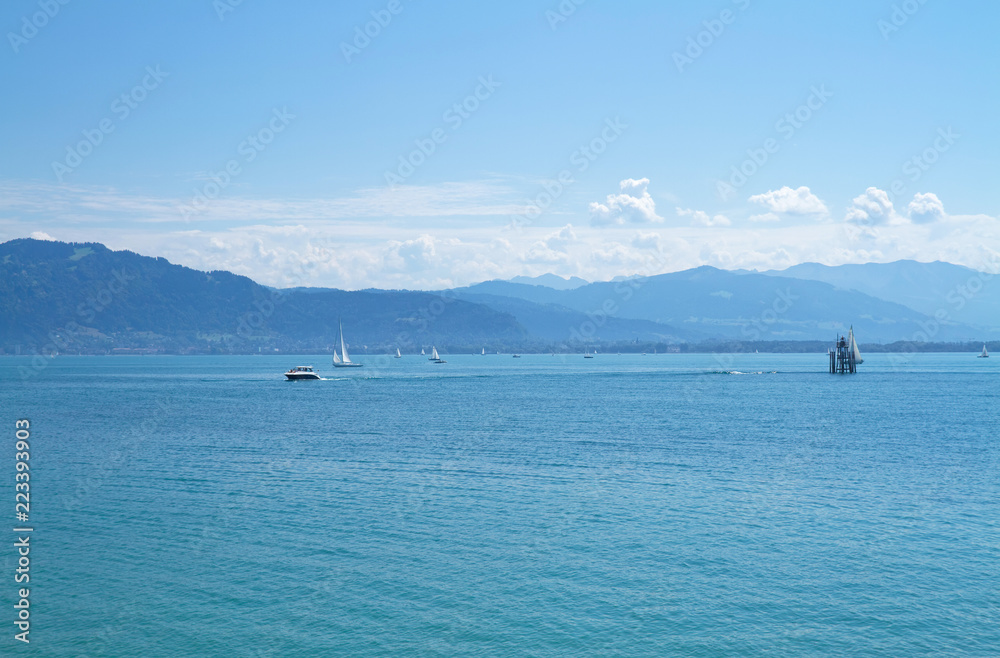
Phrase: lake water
(542, 506)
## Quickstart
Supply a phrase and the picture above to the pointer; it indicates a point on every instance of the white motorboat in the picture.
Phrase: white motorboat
(302, 372)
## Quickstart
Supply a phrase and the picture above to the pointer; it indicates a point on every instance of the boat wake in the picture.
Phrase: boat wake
(740, 372)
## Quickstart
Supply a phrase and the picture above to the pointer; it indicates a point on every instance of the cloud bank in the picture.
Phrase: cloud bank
(633, 205)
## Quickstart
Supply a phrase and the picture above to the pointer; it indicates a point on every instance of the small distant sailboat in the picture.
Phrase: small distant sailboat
(398, 355)
(435, 357)
(853, 344)
(343, 360)
(422, 352)
(484, 351)
(985, 354)
(588, 355)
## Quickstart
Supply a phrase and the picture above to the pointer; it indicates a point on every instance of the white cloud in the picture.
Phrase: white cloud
(553, 248)
(559, 241)
(702, 218)
(872, 208)
(412, 255)
(633, 205)
(647, 241)
(926, 208)
(104, 204)
(433, 252)
(800, 201)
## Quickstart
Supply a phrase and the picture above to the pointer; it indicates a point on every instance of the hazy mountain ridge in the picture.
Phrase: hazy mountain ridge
(551, 281)
(559, 324)
(741, 305)
(963, 294)
(85, 297)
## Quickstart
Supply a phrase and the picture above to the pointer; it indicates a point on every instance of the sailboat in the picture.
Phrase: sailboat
(398, 355)
(422, 352)
(435, 357)
(343, 360)
(985, 354)
(484, 351)
(853, 344)
(588, 355)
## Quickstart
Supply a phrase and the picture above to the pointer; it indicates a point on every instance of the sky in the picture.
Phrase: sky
(421, 145)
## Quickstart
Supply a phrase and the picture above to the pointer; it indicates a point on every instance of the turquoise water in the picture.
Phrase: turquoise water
(542, 506)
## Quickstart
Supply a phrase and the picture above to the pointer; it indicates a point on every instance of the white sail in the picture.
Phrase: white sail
(343, 346)
(336, 357)
(484, 350)
(423, 352)
(398, 355)
(985, 353)
(434, 354)
(854, 347)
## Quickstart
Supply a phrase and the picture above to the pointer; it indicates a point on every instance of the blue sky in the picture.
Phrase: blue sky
(313, 122)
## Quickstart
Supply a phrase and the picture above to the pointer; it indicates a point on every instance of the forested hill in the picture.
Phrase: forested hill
(84, 297)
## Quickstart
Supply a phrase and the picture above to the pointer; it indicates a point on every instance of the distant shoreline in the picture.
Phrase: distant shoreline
(712, 347)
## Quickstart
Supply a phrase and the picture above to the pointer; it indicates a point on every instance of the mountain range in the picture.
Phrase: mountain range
(960, 293)
(84, 297)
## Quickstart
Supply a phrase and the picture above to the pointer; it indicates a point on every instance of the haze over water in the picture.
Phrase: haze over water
(545, 506)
